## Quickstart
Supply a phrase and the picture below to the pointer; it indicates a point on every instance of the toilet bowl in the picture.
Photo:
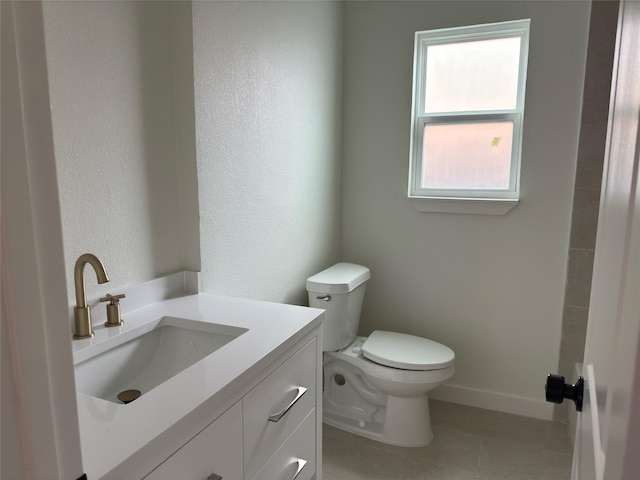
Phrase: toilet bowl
(374, 386)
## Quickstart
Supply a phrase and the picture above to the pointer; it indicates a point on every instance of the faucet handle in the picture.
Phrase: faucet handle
(112, 299)
(113, 310)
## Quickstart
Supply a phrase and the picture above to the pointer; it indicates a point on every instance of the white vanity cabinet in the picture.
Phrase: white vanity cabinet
(215, 453)
(295, 459)
(271, 433)
(275, 408)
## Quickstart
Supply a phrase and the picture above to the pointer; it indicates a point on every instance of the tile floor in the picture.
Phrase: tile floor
(469, 443)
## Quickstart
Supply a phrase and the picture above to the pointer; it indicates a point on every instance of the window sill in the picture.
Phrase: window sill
(478, 206)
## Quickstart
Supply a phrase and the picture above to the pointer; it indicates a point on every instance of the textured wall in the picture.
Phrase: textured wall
(111, 83)
(268, 128)
(267, 102)
(490, 287)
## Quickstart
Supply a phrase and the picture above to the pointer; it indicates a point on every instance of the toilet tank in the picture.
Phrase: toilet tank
(340, 291)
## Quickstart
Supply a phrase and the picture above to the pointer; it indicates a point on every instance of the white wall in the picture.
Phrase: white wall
(489, 287)
(268, 106)
(269, 138)
(122, 148)
(122, 79)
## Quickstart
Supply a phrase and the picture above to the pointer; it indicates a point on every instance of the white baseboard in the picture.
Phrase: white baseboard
(494, 401)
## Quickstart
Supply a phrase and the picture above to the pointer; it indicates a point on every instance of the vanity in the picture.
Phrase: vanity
(249, 409)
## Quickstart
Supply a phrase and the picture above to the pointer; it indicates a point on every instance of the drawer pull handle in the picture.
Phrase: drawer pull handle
(300, 391)
(300, 465)
(214, 476)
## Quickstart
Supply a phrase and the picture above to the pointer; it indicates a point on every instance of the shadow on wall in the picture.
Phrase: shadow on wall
(156, 94)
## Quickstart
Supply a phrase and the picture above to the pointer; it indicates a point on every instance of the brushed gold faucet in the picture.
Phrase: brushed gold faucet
(81, 312)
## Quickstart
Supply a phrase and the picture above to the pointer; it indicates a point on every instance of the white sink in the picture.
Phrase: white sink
(144, 357)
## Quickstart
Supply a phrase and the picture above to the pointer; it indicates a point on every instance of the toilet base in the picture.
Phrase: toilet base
(391, 424)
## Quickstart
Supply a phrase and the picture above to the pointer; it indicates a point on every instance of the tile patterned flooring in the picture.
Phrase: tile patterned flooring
(469, 443)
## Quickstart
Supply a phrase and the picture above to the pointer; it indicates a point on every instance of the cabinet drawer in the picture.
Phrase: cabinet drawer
(216, 450)
(281, 389)
(297, 455)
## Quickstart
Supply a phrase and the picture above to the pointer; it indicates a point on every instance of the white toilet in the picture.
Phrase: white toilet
(374, 386)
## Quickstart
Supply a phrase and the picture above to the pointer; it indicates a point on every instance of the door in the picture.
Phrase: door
(608, 431)
(43, 432)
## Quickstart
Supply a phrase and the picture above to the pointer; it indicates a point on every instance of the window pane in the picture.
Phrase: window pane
(472, 76)
(467, 156)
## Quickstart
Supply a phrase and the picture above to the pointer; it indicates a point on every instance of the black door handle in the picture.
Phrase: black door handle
(556, 390)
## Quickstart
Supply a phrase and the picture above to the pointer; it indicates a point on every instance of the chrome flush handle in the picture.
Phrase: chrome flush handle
(326, 298)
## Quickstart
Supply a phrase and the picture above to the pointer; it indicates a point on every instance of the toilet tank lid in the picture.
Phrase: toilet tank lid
(341, 278)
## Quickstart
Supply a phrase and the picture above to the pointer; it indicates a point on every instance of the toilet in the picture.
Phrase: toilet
(374, 386)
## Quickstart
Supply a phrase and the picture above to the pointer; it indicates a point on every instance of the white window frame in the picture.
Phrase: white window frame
(496, 201)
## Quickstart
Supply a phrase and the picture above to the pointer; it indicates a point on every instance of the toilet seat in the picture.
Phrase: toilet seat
(407, 352)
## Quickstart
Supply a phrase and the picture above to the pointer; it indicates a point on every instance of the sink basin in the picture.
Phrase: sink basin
(147, 356)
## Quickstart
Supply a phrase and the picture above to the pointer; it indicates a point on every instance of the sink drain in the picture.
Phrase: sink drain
(129, 396)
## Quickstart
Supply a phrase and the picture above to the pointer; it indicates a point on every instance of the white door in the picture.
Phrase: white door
(608, 434)
(42, 431)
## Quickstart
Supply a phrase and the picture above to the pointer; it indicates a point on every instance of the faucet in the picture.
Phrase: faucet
(81, 312)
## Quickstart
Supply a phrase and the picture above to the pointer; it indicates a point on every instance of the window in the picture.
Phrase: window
(468, 107)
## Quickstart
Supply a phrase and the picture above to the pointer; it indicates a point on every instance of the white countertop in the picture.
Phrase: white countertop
(111, 432)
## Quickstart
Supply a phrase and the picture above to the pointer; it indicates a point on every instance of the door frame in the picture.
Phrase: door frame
(35, 311)
(611, 441)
